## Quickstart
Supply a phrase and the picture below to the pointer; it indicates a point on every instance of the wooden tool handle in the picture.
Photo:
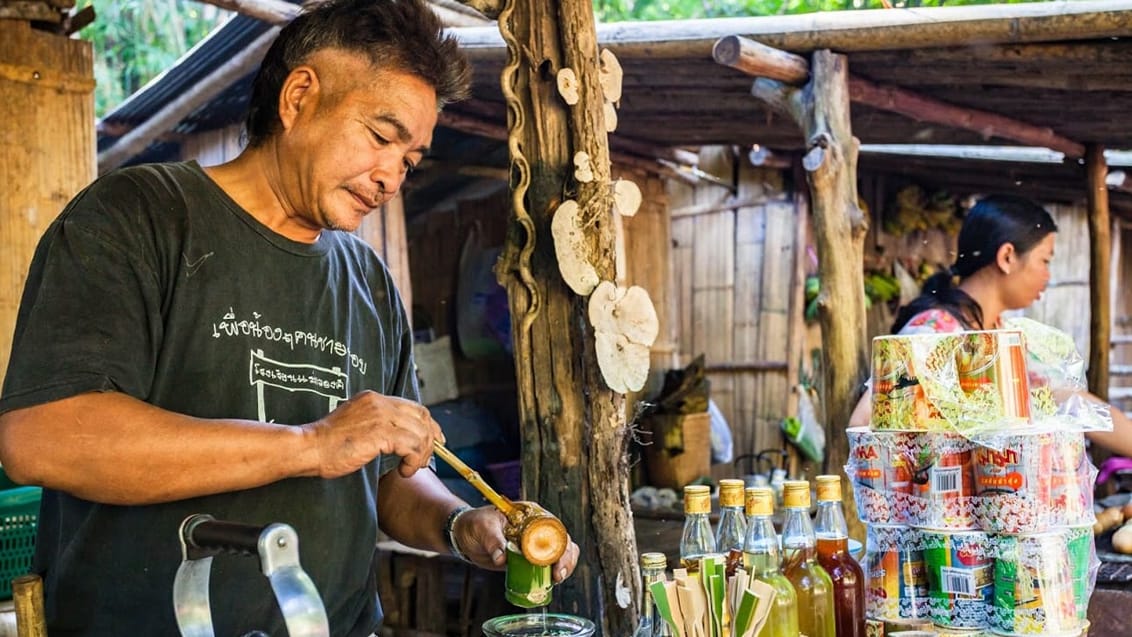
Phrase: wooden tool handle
(27, 597)
(473, 477)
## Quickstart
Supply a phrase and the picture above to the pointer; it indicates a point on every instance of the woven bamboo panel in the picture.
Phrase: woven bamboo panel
(47, 146)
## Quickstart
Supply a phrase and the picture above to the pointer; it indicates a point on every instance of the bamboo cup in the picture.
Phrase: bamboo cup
(540, 535)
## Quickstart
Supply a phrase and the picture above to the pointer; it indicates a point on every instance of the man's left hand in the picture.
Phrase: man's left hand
(479, 536)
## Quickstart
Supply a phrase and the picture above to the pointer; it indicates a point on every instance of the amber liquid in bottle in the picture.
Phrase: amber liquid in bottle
(833, 554)
(800, 565)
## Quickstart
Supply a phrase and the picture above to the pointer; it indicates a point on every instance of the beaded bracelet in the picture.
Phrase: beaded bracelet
(450, 532)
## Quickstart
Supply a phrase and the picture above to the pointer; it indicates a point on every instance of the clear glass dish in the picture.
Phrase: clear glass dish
(538, 625)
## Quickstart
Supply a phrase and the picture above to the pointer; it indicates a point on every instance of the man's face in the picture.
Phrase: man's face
(350, 139)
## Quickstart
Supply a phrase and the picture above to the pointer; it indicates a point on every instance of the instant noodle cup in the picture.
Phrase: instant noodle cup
(991, 366)
(896, 587)
(1072, 477)
(899, 402)
(960, 578)
(881, 472)
(1034, 587)
(942, 482)
(1012, 483)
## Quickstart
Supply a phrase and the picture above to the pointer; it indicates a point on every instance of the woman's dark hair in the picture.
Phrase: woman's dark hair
(403, 35)
(992, 222)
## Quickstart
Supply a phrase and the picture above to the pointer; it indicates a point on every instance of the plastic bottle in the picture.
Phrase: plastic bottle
(800, 564)
(697, 539)
(653, 567)
(763, 560)
(731, 531)
(833, 554)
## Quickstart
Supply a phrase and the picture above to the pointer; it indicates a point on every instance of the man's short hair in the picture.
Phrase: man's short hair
(401, 35)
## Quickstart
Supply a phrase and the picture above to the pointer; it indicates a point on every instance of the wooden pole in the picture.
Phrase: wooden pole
(27, 598)
(1100, 268)
(821, 109)
(759, 60)
(573, 428)
(279, 12)
(47, 142)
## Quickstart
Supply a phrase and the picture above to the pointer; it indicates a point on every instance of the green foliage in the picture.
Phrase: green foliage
(135, 40)
(640, 10)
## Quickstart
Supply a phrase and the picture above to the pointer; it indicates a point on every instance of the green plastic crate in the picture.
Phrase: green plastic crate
(19, 516)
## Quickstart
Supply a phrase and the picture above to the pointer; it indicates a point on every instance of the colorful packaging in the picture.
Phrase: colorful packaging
(964, 382)
(895, 581)
(1034, 586)
(960, 578)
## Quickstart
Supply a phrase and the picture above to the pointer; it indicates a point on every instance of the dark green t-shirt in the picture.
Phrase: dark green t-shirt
(154, 283)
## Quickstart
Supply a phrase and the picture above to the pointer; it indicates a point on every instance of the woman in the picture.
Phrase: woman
(1005, 248)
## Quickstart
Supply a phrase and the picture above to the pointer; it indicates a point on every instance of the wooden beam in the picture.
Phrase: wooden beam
(753, 366)
(927, 109)
(850, 31)
(1100, 268)
(759, 60)
(135, 141)
(279, 13)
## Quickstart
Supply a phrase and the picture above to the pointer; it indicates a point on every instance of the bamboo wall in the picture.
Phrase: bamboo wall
(1065, 303)
(734, 276)
(47, 148)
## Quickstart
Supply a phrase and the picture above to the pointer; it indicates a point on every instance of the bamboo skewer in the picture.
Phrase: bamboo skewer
(506, 506)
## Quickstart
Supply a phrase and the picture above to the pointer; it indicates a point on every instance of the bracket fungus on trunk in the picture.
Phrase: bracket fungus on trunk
(568, 85)
(625, 326)
(583, 167)
(610, 117)
(609, 75)
(571, 249)
(626, 197)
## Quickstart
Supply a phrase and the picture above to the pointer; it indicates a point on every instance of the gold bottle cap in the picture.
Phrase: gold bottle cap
(829, 488)
(697, 499)
(653, 560)
(796, 494)
(731, 493)
(760, 501)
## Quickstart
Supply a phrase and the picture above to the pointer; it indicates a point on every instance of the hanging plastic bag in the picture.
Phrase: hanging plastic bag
(805, 431)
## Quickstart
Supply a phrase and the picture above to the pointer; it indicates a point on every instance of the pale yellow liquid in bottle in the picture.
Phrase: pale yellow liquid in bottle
(814, 589)
(783, 620)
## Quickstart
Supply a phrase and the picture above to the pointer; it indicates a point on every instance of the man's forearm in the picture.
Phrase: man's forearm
(413, 510)
(115, 449)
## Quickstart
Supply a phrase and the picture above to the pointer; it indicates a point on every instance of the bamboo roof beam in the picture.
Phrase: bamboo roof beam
(279, 13)
(851, 31)
(760, 60)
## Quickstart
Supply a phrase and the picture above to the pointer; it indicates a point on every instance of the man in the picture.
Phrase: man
(205, 341)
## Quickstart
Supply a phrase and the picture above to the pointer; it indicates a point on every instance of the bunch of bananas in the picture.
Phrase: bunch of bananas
(913, 210)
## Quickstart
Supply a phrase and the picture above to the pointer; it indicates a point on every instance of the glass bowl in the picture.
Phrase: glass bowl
(532, 625)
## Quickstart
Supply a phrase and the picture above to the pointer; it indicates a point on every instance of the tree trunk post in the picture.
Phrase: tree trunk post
(821, 109)
(574, 432)
(1100, 268)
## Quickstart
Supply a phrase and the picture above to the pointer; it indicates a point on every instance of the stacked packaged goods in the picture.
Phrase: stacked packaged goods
(975, 486)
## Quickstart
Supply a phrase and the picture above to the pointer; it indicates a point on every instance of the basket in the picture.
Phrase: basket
(19, 516)
(681, 449)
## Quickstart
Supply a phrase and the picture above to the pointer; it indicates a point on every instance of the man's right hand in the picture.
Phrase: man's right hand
(370, 424)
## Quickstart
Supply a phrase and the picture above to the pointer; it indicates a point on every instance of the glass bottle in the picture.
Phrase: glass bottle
(763, 560)
(833, 554)
(800, 564)
(653, 567)
(697, 539)
(731, 531)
